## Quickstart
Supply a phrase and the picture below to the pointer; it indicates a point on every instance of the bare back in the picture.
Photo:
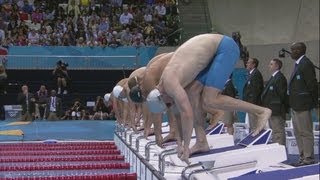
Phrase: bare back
(138, 72)
(191, 58)
(153, 72)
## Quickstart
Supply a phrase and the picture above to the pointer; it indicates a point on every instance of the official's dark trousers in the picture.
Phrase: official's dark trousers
(303, 131)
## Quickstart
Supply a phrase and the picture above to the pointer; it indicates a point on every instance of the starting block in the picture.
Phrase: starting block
(231, 161)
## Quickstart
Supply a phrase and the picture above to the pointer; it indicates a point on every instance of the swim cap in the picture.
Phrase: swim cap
(136, 94)
(117, 91)
(155, 103)
(107, 97)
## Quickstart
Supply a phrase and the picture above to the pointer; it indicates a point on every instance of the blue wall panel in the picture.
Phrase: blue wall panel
(83, 57)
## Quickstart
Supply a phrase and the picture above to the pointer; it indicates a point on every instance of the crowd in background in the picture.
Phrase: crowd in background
(45, 104)
(103, 23)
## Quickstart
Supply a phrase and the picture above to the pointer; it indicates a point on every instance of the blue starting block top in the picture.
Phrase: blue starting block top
(217, 129)
(261, 138)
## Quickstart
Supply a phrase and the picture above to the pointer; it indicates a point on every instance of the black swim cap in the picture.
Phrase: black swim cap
(136, 94)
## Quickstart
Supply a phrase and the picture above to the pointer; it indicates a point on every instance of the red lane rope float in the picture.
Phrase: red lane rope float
(52, 147)
(59, 144)
(64, 166)
(119, 176)
(62, 152)
(60, 158)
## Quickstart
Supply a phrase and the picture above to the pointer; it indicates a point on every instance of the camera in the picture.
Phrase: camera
(282, 53)
(62, 64)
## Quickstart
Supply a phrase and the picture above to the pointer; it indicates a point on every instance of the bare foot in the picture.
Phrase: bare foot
(169, 137)
(134, 128)
(210, 127)
(159, 140)
(180, 150)
(185, 155)
(198, 148)
(262, 120)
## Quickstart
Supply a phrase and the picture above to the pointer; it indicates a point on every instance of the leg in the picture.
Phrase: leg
(212, 99)
(64, 85)
(303, 131)
(173, 126)
(157, 121)
(179, 135)
(59, 84)
(228, 120)
(252, 122)
(132, 116)
(147, 122)
(201, 145)
(277, 124)
(216, 115)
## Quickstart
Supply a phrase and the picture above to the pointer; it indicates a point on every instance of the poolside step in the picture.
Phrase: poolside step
(63, 160)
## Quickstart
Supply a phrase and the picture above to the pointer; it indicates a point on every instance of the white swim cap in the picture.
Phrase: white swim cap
(107, 97)
(125, 100)
(155, 103)
(117, 91)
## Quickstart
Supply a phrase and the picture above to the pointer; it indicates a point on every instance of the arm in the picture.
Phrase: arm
(311, 81)
(181, 100)
(257, 87)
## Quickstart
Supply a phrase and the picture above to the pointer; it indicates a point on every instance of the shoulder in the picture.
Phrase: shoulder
(305, 61)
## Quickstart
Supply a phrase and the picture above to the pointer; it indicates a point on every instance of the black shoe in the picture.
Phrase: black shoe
(308, 163)
(297, 164)
(302, 163)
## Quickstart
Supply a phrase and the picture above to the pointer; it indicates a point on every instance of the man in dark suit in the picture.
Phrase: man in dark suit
(274, 97)
(27, 101)
(253, 88)
(54, 107)
(303, 97)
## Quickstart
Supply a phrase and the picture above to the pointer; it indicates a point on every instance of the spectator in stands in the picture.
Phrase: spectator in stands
(85, 115)
(27, 101)
(54, 107)
(33, 37)
(160, 9)
(100, 110)
(147, 17)
(60, 73)
(27, 8)
(37, 16)
(114, 43)
(76, 110)
(126, 37)
(41, 102)
(104, 25)
(3, 79)
(138, 43)
(125, 17)
(73, 9)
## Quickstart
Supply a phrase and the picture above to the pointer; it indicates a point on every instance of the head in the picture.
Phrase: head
(275, 65)
(297, 50)
(24, 88)
(42, 88)
(136, 94)
(119, 93)
(133, 81)
(155, 102)
(53, 93)
(252, 63)
(107, 97)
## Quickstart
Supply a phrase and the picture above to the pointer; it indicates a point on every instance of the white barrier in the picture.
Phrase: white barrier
(137, 163)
